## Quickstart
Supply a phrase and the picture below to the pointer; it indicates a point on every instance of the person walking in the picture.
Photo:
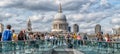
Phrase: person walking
(99, 39)
(107, 37)
(14, 37)
(7, 34)
(108, 40)
(85, 39)
(79, 39)
(22, 35)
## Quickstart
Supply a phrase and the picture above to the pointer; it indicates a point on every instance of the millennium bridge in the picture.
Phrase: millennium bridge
(60, 47)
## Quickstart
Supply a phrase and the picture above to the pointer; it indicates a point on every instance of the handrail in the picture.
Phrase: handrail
(42, 44)
(64, 39)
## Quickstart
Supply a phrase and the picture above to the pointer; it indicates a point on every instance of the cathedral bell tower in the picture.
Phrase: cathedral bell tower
(29, 28)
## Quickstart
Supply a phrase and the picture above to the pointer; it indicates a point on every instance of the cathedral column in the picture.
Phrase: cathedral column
(54, 26)
(58, 26)
(64, 26)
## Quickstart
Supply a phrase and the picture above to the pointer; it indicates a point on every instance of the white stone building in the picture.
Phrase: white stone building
(60, 22)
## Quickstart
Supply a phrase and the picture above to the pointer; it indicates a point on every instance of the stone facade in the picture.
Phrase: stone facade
(60, 22)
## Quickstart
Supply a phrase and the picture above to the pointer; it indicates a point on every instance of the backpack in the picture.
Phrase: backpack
(7, 35)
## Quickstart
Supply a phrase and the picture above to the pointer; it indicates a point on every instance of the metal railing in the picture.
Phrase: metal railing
(41, 46)
(22, 47)
(97, 47)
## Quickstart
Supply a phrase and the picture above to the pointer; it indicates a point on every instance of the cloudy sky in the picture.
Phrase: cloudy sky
(85, 13)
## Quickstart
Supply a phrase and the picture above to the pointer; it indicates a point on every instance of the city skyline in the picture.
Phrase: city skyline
(84, 13)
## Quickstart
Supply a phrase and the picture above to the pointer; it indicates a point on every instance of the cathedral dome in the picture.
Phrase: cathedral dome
(60, 22)
(60, 16)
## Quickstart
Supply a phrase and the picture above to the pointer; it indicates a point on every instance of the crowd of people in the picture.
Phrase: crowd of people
(69, 39)
(10, 35)
(101, 37)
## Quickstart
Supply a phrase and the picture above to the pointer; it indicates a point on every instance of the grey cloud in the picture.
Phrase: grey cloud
(19, 20)
(41, 27)
(91, 12)
(87, 25)
(104, 7)
(89, 17)
(41, 18)
(73, 5)
(22, 22)
(31, 5)
(6, 16)
(115, 20)
(47, 6)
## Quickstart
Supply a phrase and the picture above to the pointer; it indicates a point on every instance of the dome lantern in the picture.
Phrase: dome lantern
(60, 8)
(60, 16)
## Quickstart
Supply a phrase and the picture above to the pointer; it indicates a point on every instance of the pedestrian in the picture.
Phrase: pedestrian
(107, 37)
(85, 38)
(52, 39)
(14, 37)
(22, 35)
(108, 40)
(99, 39)
(7, 34)
(31, 36)
(79, 39)
(33, 41)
